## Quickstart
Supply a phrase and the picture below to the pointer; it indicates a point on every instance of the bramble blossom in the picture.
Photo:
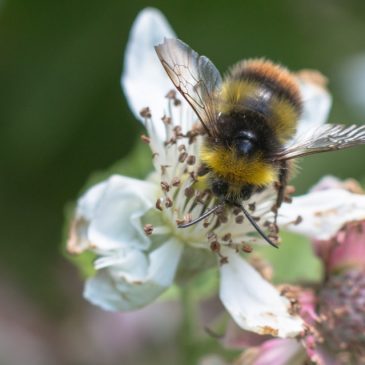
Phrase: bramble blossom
(131, 225)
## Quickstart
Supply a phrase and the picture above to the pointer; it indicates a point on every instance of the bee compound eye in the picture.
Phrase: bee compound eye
(245, 146)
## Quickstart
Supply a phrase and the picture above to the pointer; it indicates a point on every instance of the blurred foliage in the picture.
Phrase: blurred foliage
(63, 115)
(294, 262)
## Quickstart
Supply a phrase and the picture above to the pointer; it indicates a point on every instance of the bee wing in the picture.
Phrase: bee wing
(328, 137)
(195, 76)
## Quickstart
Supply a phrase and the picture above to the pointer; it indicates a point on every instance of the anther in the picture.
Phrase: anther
(223, 218)
(145, 113)
(159, 204)
(189, 192)
(223, 260)
(171, 141)
(168, 202)
(202, 170)
(274, 237)
(145, 139)
(148, 229)
(182, 157)
(298, 220)
(215, 246)
(206, 223)
(246, 248)
(236, 211)
(165, 186)
(171, 94)
(164, 169)
(227, 237)
(290, 189)
(239, 219)
(178, 131)
(252, 207)
(273, 228)
(166, 120)
(175, 181)
(191, 160)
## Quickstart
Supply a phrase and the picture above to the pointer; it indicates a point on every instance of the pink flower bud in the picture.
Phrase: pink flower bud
(345, 251)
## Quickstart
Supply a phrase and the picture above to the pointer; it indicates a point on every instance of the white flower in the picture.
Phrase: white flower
(323, 211)
(139, 247)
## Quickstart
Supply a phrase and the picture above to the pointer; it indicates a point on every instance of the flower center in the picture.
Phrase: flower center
(185, 190)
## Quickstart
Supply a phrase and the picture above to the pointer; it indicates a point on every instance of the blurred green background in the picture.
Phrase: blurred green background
(63, 115)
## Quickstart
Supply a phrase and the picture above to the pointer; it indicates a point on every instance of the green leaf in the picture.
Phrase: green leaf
(137, 164)
(203, 286)
(294, 261)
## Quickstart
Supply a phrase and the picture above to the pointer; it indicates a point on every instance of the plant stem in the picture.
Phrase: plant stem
(189, 352)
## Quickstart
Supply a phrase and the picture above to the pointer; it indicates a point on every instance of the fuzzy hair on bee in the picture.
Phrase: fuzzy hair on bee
(258, 107)
(250, 120)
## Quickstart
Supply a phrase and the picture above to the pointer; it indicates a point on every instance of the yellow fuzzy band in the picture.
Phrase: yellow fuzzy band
(237, 170)
(233, 93)
(283, 115)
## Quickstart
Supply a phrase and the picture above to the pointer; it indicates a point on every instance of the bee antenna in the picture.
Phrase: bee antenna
(256, 226)
(203, 216)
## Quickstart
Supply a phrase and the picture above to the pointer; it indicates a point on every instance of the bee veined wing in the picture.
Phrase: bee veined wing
(195, 76)
(328, 137)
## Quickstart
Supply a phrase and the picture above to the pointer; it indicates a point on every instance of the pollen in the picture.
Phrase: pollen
(148, 229)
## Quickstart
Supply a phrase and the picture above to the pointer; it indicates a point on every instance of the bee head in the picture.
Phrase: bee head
(245, 143)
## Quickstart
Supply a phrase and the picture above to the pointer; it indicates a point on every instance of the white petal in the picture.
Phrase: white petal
(78, 240)
(134, 280)
(88, 202)
(108, 215)
(144, 81)
(323, 212)
(127, 262)
(316, 106)
(113, 210)
(254, 304)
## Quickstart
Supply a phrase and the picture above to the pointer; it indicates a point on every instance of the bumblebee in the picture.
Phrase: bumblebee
(249, 120)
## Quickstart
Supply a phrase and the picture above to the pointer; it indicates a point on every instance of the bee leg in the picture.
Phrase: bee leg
(282, 183)
(203, 216)
(256, 226)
